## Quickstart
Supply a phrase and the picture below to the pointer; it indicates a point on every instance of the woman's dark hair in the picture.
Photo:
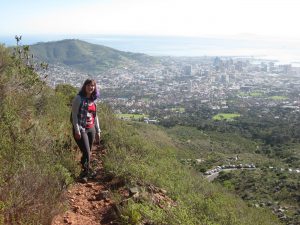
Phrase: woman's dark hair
(95, 93)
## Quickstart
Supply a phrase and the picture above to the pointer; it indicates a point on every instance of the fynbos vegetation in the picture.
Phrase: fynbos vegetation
(35, 141)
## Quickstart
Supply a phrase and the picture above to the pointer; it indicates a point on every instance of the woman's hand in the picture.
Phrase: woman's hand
(77, 136)
(98, 138)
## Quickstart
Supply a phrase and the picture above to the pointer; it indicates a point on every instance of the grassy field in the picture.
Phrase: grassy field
(278, 97)
(131, 116)
(256, 94)
(252, 94)
(178, 109)
(226, 116)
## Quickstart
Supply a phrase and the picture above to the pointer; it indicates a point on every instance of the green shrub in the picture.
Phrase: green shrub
(35, 145)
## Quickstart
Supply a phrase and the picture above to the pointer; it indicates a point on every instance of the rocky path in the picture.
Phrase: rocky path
(89, 203)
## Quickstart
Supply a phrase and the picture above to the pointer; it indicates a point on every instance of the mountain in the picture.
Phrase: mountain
(86, 57)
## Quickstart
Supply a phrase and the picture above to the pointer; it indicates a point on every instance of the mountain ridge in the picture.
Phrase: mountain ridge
(85, 56)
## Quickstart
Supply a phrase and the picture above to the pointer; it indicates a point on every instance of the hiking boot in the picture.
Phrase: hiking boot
(83, 173)
(83, 176)
(92, 174)
(84, 179)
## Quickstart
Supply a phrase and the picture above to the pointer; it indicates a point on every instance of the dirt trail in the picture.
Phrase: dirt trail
(89, 203)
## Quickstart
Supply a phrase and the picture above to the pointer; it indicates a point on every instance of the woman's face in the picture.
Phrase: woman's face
(89, 88)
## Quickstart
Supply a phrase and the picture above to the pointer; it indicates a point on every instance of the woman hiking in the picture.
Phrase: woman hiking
(86, 124)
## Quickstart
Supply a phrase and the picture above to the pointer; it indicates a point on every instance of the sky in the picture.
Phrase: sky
(272, 18)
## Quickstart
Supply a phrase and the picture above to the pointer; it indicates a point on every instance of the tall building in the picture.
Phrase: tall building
(217, 63)
(187, 70)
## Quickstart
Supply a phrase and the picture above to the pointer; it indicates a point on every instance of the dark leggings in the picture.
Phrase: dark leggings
(85, 146)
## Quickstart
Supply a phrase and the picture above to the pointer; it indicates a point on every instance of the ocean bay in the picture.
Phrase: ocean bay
(282, 51)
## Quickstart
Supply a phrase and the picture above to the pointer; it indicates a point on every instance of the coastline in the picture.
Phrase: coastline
(280, 52)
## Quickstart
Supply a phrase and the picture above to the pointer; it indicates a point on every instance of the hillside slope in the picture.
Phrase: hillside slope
(36, 150)
(86, 57)
(165, 191)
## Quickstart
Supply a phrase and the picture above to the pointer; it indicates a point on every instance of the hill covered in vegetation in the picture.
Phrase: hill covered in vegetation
(86, 57)
(38, 155)
(270, 183)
